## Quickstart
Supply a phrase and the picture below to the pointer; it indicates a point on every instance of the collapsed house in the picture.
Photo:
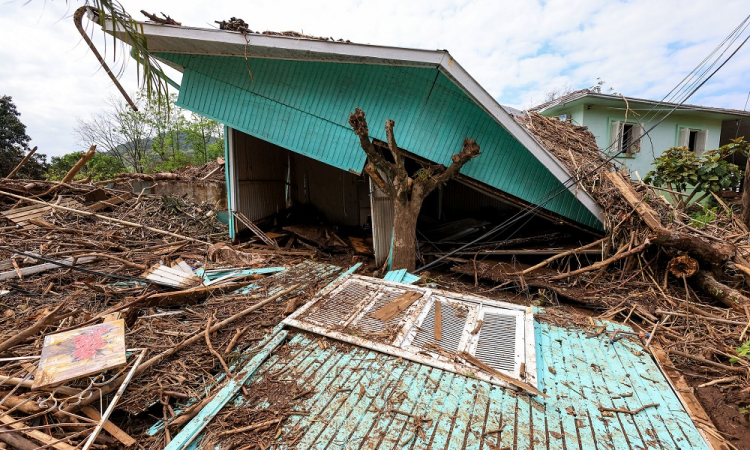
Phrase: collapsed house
(205, 344)
(285, 103)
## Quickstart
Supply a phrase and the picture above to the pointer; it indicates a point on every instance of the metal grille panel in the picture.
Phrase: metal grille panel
(453, 322)
(497, 341)
(339, 305)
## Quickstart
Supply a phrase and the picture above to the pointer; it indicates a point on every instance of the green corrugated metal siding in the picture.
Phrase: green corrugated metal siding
(304, 107)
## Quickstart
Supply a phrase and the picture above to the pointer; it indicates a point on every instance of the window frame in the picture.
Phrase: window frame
(701, 147)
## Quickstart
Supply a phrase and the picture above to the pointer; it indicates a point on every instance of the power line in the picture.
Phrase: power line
(527, 211)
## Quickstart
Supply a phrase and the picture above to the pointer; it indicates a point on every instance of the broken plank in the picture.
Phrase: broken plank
(254, 228)
(44, 438)
(471, 359)
(25, 271)
(104, 204)
(395, 307)
(111, 428)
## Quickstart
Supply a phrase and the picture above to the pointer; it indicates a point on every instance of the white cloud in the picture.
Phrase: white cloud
(517, 50)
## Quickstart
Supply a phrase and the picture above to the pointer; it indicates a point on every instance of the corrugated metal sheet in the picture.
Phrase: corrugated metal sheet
(381, 207)
(304, 106)
(261, 170)
(368, 400)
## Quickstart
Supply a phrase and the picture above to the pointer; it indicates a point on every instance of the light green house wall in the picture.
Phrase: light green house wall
(598, 119)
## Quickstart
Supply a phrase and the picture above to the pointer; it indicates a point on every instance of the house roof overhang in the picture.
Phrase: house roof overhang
(636, 104)
(199, 41)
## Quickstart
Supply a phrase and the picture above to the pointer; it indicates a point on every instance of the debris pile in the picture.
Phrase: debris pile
(135, 299)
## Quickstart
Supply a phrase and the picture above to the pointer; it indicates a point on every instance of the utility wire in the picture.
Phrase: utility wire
(576, 178)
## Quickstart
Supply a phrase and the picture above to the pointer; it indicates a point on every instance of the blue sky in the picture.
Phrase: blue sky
(517, 50)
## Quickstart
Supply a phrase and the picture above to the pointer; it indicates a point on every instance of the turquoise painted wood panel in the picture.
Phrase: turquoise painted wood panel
(304, 107)
(356, 391)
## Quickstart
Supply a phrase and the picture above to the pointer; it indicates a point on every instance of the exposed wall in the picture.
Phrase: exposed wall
(214, 192)
(663, 137)
(261, 170)
(334, 192)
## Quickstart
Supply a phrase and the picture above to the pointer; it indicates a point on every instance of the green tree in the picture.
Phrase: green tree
(14, 142)
(681, 170)
(205, 137)
(100, 167)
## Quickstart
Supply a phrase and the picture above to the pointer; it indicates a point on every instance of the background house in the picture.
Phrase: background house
(699, 128)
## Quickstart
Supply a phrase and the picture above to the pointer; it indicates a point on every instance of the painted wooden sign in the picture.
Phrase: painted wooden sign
(82, 352)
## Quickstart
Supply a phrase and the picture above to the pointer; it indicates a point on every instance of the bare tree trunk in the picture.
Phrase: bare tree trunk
(407, 193)
(405, 234)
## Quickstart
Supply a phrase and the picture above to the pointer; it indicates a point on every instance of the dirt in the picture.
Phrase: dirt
(723, 406)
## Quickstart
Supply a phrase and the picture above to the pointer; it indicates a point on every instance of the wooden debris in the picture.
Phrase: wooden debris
(21, 216)
(438, 321)
(21, 164)
(683, 266)
(254, 228)
(188, 296)
(396, 306)
(171, 277)
(111, 428)
(471, 359)
(109, 203)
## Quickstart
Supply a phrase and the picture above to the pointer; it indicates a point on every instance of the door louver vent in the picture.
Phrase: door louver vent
(453, 324)
(497, 342)
(339, 305)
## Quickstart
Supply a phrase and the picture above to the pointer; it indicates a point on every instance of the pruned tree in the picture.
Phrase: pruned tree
(407, 191)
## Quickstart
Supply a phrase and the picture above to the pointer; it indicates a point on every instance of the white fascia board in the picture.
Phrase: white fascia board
(237, 44)
(453, 70)
(374, 54)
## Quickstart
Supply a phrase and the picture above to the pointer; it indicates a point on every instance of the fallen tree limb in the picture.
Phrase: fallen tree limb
(558, 256)
(661, 312)
(189, 296)
(605, 262)
(721, 292)
(21, 164)
(715, 254)
(707, 362)
(15, 440)
(40, 324)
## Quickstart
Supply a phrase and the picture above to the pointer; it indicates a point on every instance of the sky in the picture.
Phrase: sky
(518, 50)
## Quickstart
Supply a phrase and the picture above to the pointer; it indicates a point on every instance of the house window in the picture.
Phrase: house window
(693, 138)
(625, 137)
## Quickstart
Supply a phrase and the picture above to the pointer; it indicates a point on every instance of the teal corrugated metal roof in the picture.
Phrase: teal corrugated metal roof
(304, 106)
(365, 399)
